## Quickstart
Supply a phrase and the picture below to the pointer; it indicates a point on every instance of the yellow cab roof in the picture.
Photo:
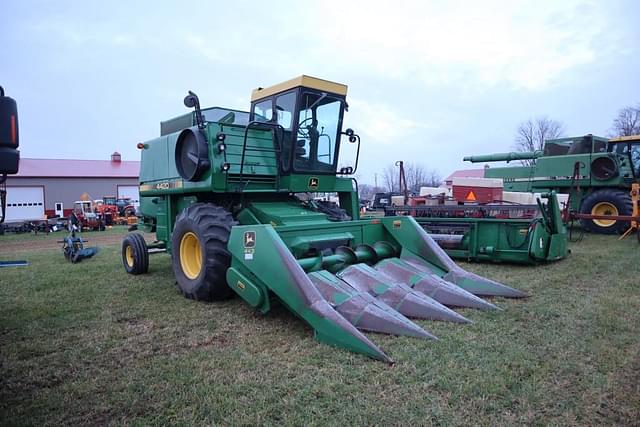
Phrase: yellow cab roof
(304, 81)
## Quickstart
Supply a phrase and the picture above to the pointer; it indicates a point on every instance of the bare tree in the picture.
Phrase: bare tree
(627, 122)
(417, 176)
(532, 134)
(390, 178)
(367, 191)
(434, 179)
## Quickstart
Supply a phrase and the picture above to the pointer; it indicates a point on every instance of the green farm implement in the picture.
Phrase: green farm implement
(226, 193)
(522, 234)
(596, 172)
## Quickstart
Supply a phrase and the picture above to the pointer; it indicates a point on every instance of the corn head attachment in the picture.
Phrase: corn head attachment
(333, 270)
(227, 194)
(398, 294)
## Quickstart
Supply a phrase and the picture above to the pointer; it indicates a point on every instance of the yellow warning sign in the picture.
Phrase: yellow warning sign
(471, 196)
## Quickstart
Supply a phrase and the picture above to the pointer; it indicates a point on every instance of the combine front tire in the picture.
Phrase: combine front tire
(135, 256)
(200, 257)
(606, 202)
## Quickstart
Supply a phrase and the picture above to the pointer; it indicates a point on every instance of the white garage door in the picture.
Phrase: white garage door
(130, 191)
(25, 203)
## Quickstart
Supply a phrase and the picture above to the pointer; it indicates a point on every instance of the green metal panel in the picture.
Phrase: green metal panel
(274, 268)
(162, 219)
(256, 296)
(487, 239)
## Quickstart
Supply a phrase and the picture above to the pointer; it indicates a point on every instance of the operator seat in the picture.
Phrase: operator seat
(300, 150)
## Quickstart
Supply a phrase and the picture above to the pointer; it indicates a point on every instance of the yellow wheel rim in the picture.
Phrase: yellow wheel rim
(604, 208)
(128, 255)
(190, 255)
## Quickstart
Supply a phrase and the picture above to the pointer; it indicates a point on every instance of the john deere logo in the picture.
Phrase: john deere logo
(313, 183)
(249, 239)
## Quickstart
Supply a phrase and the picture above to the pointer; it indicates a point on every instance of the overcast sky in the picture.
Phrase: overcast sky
(429, 81)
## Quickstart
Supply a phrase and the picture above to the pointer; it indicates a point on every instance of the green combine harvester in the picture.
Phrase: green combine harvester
(596, 172)
(227, 193)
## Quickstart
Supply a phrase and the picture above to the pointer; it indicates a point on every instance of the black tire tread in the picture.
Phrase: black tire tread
(140, 254)
(618, 197)
(213, 225)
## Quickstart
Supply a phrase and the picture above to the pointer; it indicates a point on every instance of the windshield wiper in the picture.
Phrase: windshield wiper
(323, 96)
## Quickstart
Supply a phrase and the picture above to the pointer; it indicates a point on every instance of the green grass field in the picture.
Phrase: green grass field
(87, 344)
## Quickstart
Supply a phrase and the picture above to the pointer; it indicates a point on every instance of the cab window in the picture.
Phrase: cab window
(285, 104)
(635, 159)
(599, 146)
(580, 146)
(317, 134)
(263, 111)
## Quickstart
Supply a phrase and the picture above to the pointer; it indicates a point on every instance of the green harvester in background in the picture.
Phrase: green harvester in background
(596, 172)
(227, 193)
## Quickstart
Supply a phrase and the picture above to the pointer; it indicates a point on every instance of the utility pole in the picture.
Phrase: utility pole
(375, 181)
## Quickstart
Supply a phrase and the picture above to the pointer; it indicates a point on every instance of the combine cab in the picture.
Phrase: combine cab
(227, 194)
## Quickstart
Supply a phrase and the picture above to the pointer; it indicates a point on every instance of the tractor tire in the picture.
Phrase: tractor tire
(606, 202)
(200, 258)
(135, 255)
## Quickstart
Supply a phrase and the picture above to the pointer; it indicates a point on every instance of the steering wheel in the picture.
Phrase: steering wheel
(302, 130)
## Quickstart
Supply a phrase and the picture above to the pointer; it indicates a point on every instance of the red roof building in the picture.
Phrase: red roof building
(60, 168)
(51, 186)
(464, 173)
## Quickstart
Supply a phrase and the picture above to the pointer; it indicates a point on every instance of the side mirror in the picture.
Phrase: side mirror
(192, 101)
(9, 136)
(353, 138)
(9, 140)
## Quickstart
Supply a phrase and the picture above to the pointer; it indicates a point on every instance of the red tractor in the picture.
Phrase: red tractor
(86, 216)
(108, 209)
(124, 205)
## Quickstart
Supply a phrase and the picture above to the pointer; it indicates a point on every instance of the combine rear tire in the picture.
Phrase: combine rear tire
(135, 256)
(200, 257)
(606, 202)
